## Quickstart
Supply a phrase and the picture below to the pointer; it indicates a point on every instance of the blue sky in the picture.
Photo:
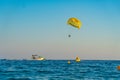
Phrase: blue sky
(39, 27)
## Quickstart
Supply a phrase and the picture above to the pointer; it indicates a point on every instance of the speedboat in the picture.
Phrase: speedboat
(36, 57)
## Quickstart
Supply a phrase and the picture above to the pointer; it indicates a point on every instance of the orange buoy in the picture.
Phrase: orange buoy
(118, 67)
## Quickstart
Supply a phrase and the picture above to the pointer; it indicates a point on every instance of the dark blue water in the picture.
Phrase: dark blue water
(59, 70)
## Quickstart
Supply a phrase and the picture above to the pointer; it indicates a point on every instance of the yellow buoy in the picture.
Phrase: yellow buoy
(77, 59)
(68, 62)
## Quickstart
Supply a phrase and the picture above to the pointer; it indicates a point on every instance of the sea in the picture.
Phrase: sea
(59, 70)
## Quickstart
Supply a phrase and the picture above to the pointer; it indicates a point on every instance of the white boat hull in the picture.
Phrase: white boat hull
(40, 59)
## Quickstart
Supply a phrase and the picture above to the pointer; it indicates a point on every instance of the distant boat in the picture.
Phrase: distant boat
(77, 59)
(36, 57)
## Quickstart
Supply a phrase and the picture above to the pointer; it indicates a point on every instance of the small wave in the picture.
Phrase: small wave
(19, 79)
(19, 67)
(45, 72)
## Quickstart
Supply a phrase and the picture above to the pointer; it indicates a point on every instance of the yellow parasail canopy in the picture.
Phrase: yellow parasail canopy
(74, 22)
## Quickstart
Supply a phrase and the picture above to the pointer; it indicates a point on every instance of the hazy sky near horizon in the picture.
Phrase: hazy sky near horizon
(39, 27)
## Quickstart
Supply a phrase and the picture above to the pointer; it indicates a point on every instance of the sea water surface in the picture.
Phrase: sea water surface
(59, 70)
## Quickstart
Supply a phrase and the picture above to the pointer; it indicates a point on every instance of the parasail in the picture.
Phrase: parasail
(74, 22)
